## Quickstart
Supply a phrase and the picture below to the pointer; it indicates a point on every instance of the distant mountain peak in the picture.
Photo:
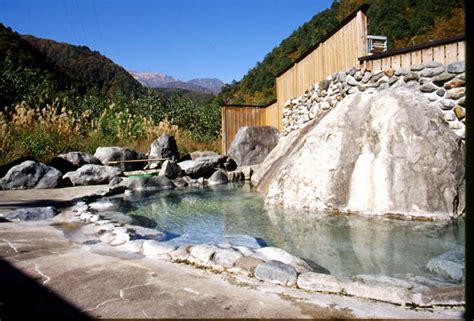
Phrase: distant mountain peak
(160, 80)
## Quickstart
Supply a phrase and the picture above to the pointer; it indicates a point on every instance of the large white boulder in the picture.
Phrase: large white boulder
(376, 153)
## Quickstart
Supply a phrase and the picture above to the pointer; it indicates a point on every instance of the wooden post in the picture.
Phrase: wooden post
(223, 131)
(362, 34)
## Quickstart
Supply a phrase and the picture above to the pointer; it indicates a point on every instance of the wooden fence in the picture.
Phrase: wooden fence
(445, 51)
(344, 47)
(236, 116)
(340, 49)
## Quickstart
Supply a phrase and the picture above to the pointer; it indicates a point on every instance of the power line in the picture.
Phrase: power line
(76, 8)
(101, 40)
(73, 33)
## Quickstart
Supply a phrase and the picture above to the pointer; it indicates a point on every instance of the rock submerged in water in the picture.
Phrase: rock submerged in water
(154, 183)
(31, 174)
(389, 152)
(450, 265)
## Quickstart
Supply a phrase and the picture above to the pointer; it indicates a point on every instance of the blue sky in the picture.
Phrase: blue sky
(183, 38)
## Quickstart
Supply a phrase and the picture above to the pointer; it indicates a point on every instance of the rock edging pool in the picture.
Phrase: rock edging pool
(269, 264)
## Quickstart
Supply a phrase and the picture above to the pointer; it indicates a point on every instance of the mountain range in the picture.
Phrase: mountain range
(160, 80)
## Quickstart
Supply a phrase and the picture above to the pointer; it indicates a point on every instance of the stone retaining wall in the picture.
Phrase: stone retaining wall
(442, 85)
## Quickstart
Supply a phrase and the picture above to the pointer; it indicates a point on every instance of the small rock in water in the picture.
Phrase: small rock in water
(449, 265)
(245, 240)
(118, 217)
(154, 183)
(218, 178)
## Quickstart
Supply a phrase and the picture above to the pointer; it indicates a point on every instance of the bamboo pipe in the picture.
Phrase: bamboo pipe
(136, 161)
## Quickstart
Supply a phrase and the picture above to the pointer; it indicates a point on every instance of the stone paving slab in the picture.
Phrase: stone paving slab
(57, 197)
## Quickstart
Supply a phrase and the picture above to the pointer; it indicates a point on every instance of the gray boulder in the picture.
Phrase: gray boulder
(457, 67)
(226, 257)
(154, 183)
(373, 154)
(197, 154)
(248, 264)
(163, 147)
(202, 166)
(319, 282)
(6, 167)
(170, 169)
(73, 160)
(109, 154)
(277, 254)
(252, 144)
(201, 254)
(449, 265)
(381, 288)
(31, 174)
(92, 175)
(30, 214)
(276, 272)
(218, 178)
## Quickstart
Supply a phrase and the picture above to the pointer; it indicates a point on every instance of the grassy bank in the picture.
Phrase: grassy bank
(51, 130)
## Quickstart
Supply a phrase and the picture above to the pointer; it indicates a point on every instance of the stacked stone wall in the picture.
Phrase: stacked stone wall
(442, 85)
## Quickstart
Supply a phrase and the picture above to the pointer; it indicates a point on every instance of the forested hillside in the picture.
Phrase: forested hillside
(56, 97)
(86, 68)
(404, 22)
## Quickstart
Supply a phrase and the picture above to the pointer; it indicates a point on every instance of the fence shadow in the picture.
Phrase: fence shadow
(22, 296)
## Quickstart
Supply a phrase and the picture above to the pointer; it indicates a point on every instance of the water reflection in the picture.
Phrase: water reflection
(345, 245)
(348, 245)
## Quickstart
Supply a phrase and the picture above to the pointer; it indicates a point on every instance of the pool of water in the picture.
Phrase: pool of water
(345, 245)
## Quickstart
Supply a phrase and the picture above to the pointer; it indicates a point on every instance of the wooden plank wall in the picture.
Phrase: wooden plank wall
(234, 117)
(446, 54)
(339, 52)
(271, 116)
